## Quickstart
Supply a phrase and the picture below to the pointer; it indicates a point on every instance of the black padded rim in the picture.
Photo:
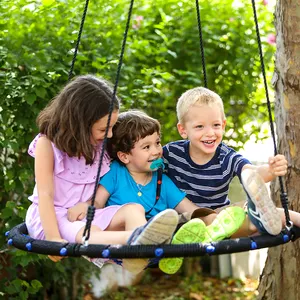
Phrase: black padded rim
(18, 238)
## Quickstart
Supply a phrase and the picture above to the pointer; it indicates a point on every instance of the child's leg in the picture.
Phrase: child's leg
(262, 211)
(98, 236)
(128, 217)
(118, 231)
(294, 217)
(248, 229)
(120, 228)
(157, 230)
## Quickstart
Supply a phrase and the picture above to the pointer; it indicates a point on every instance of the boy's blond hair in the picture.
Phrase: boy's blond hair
(198, 95)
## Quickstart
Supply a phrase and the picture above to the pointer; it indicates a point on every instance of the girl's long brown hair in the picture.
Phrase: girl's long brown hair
(68, 119)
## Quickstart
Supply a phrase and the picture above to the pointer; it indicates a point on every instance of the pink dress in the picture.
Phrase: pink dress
(74, 182)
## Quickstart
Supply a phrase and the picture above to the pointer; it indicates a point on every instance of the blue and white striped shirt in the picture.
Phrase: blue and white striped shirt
(205, 185)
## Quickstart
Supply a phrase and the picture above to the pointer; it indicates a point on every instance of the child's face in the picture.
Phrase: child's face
(99, 127)
(204, 126)
(144, 152)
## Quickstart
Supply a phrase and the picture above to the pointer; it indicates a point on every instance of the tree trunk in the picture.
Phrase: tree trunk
(281, 276)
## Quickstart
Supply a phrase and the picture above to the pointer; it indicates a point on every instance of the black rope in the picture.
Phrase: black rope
(87, 229)
(201, 44)
(283, 194)
(78, 40)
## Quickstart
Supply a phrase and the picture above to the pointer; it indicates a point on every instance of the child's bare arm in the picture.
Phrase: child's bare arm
(185, 205)
(79, 211)
(44, 165)
(277, 166)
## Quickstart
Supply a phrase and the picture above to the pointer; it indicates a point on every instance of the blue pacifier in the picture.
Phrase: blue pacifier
(156, 164)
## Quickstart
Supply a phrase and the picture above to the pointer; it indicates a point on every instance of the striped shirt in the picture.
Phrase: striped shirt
(205, 185)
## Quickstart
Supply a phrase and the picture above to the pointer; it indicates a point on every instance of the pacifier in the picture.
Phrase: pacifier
(156, 164)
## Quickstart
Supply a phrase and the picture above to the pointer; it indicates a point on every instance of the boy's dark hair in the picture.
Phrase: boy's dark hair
(131, 126)
(68, 119)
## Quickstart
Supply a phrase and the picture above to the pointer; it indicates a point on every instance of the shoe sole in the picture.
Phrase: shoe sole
(258, 192)
(227, 222)
(191, 232)
(159, 230)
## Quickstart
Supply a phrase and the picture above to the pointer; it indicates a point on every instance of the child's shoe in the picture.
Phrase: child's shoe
(191, 232)
(226, 223)
(99, 262)
(158, 230)
(262, 211)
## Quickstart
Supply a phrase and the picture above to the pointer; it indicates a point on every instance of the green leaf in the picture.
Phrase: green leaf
(40, 92)
(30, 98)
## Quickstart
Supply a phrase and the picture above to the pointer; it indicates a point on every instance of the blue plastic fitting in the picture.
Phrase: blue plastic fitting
(253, 245)
(210, 249)
(28, 246)
(106, 253)
(159, 252)
(63, 251)
(286, 238)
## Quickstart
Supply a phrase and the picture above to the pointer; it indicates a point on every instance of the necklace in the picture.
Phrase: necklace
(141, 186)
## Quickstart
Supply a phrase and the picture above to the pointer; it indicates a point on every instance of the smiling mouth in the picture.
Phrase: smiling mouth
(152, 160)
(208, 142)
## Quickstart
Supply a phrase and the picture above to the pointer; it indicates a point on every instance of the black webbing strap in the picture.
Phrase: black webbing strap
(283, 194)
(86, 233)
(201, 44)
(158, 188)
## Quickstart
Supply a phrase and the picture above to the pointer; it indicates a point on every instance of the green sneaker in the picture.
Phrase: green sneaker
(227, 222)
(191, 232)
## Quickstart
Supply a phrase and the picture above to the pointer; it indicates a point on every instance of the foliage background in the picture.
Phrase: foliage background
(162, 60)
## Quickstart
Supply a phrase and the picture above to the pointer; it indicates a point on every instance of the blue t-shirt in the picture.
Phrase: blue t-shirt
(206, 185)
(123, 189)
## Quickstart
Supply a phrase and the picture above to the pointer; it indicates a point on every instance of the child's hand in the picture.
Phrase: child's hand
(278, 165)
(77, 212)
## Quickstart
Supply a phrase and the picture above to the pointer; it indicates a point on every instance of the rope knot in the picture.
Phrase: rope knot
(284, 198)
(91, 213)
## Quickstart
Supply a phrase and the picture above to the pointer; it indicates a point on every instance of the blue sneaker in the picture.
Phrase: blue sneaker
(262, 211)
(158, 230)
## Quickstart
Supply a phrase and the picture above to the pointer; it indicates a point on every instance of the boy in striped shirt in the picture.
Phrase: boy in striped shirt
(203, 166)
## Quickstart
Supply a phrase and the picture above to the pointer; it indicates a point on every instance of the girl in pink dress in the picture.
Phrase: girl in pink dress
(67, 152)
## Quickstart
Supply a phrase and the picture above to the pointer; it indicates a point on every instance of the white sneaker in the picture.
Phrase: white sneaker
(262, 211)
(158, 230)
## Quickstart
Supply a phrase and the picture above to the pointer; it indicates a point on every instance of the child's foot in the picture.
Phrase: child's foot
(261, 210)
(226, 223)
(158, 230)
(191, 232)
